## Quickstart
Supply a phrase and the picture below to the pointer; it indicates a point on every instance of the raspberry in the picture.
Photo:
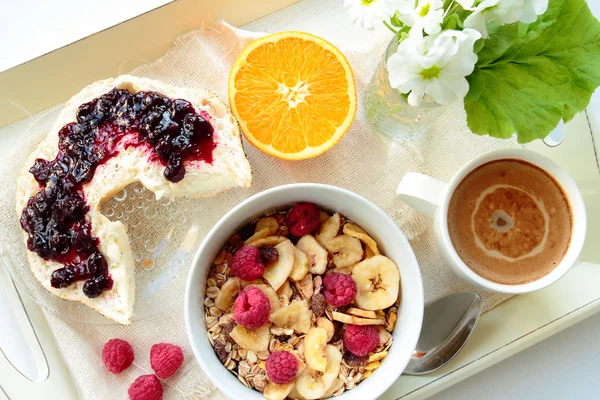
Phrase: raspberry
(165, 359)
(303, 219)
(247, 263)
(269, 254)
(340, 289)
(360, 340)
(146, 387)
(117, 355)
(252, 308)
(282, 367)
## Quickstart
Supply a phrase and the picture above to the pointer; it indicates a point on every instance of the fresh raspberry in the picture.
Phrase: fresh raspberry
(360, 340)
(247, 264)
(117, 355)
(146, 387)
(252, 308)
(269, 254)
(165, 359)
(282, 367)
(303, 219)
(340, 289)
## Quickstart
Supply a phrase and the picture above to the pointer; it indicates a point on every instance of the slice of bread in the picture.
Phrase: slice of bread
(230, 168)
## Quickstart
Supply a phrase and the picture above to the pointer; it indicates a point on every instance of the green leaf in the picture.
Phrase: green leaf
(528, 77)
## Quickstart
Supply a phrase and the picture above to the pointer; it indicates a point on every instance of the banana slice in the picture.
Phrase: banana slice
(305, 286)
(263, 233)
(267, 241)
(384, 335)
(295, 316)
(252, 339)
(295, 395)
(300, 265)
(226, 295)
(359, 233)
(274, 391)
(315, 342)
(323, 215)
(285, 290)
(271, 295)
(329, 229)
(346, 270)
(378, 283)
(369, 253)
(313, 384)
(317, 255)
(326, 324)
(277, 273)
(337, 385)
(354, 320)
(361, 313)
(258, 281)
(269, 223)
(346, 250)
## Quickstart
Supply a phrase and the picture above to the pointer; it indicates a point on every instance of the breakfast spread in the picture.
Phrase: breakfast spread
(287, 107)
(175, 141)
(301, 304)
(510, 221)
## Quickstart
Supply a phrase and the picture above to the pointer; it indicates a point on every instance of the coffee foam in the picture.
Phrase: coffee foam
(510, 224)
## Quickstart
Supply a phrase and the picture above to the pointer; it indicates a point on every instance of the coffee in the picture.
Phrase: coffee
(510, 222)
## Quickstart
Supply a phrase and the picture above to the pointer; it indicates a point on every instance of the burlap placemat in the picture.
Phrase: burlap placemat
(364, 162)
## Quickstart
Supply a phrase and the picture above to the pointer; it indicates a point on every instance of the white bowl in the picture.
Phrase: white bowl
(367, 215)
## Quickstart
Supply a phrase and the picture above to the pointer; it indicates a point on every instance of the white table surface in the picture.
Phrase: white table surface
(565, 366)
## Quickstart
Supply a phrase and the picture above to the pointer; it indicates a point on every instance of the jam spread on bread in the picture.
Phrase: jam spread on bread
(54, 218)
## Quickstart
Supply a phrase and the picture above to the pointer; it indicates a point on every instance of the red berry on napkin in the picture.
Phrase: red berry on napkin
(117, 355)
(165, 359)
(146, 387)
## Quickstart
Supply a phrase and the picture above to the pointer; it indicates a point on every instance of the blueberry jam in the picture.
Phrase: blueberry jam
(54, 218)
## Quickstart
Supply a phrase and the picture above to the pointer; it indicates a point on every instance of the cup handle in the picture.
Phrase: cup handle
(421, 192)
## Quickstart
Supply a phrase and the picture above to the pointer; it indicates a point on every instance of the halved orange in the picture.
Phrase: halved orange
(293, 94)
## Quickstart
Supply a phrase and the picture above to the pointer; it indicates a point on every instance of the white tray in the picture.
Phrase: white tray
(509, 328)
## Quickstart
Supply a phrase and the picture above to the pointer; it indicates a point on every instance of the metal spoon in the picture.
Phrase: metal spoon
(447, 325)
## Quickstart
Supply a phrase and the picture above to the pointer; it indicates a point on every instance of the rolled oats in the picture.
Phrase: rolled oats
(252, 358)
(212, 292)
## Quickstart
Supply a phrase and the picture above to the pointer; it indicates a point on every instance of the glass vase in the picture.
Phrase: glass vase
(389, 112)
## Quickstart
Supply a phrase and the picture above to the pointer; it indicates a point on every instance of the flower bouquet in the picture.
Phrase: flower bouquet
(520, 66)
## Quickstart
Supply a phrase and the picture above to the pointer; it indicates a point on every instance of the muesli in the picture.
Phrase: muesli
(301, 304)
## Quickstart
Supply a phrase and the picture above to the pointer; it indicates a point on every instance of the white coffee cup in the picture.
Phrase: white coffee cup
(432, 197)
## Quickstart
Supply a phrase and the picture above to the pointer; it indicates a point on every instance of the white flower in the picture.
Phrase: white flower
(368, 13)
(531, 10)
(499, 11)
(434, 66)
(427, 15)
(466, 4)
